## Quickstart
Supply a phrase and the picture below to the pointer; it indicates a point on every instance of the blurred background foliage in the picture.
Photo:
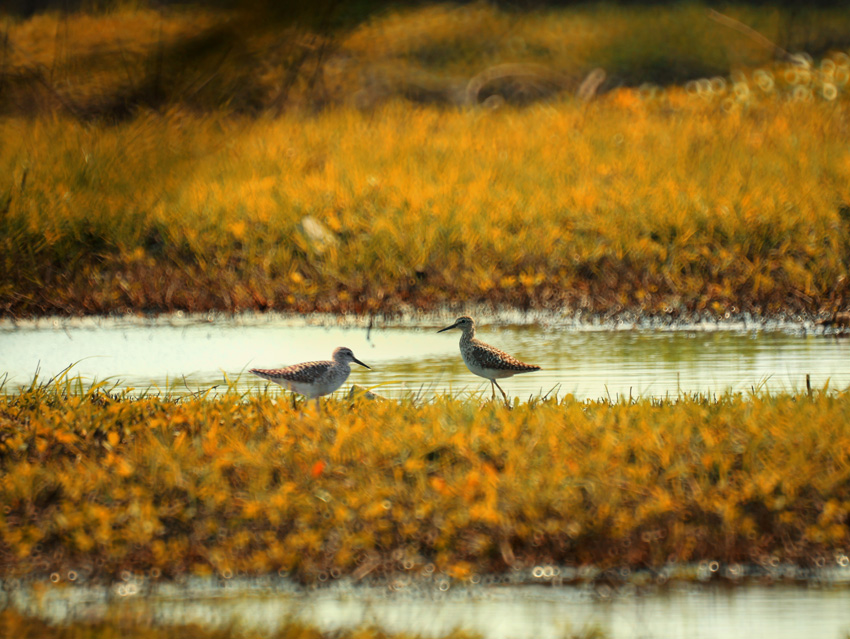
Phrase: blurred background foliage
(659, 157)
(106, 59)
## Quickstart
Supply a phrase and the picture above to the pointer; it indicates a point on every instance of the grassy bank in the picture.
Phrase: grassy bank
(229, 485)
(657, 205)
(718, 195)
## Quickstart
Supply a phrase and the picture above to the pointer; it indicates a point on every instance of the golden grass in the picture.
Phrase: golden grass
(248, 485)
(678, 203)
(147, 188)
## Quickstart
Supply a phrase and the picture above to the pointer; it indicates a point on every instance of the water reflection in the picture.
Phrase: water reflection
(583, 360)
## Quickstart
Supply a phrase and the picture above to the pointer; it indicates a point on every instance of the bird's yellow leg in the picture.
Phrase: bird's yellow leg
(500, 388)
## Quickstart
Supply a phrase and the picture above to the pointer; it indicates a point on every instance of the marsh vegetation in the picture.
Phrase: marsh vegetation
(722, 186)
(235, 484)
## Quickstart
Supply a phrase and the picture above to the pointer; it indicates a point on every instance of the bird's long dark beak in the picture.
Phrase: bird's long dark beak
(357, 361)
(448, 328)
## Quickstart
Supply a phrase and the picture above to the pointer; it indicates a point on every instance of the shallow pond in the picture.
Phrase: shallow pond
(503, 611)
(588, 360)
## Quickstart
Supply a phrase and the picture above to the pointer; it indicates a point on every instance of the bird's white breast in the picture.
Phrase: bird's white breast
(487, 373)
(323, 386)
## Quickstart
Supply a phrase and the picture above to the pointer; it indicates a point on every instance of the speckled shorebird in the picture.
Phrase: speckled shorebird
(313, 379)
(485, 360)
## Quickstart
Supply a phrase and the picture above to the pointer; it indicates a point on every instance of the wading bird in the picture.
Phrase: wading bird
(485, 360)
(313, 379)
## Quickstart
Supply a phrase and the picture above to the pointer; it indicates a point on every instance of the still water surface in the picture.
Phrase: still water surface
(687, 611)
(586, 360)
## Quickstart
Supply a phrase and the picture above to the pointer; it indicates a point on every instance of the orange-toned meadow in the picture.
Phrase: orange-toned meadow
(724, 194)
(249, 485)
(669, 204)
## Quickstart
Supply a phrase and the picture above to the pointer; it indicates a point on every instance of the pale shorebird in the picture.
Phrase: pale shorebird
(313, 379)
(485, 360)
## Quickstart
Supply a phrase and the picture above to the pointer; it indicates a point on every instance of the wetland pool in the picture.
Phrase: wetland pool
(587, 360)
